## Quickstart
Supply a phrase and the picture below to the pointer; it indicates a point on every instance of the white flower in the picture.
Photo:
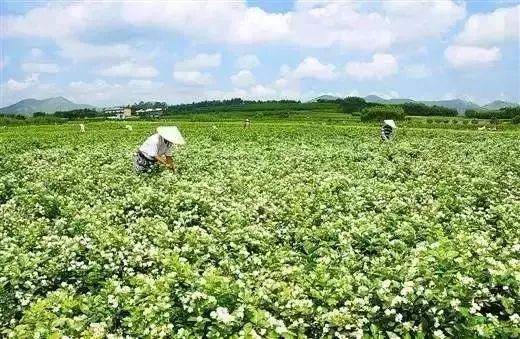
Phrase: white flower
(439, 334)
(222, 314)
(398, 317)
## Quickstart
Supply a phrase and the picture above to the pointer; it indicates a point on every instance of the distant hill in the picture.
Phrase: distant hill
(325, 97)
(29, 106)
(499, 104)
(460, 105)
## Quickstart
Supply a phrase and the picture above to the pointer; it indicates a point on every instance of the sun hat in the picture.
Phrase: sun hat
(172, 134)
(390, 123)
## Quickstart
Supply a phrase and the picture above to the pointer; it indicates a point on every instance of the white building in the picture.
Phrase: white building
(118, 112)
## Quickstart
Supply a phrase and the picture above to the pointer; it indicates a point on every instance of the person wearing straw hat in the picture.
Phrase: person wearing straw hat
(157, 149)
(388, 130)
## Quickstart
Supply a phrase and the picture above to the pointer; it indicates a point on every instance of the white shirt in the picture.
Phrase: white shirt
(155, 146)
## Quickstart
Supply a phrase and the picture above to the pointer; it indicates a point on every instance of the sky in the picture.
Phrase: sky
(119, 52)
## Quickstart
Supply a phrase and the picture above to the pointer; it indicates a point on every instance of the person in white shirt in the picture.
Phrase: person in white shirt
(157, 149)
(388, 130)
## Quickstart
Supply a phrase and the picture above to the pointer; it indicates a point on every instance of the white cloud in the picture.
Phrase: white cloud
(129, 69)
(36, 52)
(243, 79)
(248, 61)
(312, 68)
(200, 61)
(381, 66)
(142, 83)
(30, 81)
(352, 25)
(468, 56)
(489, 29)
(417, 71)
(79, 51)
(193, 78)
(232, 22)
(31, 67)
(262, 92)
(59, 20)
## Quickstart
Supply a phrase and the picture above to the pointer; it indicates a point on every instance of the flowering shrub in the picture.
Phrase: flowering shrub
(295, 230)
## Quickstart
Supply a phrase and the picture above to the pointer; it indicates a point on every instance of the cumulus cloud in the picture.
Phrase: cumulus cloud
(80, 51)
(381, 66)
(193, 78)
(491, 28)
(248, 61)
(200, 61)
(469, 56)
(129, 69)
(243, 79)
(313, 24)
(312, 68)
(32, 67)
(14, 85)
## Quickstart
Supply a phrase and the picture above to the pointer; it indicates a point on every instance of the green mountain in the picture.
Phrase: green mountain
(325, 97)
(460, 105)
(498, 104)
(29, 106)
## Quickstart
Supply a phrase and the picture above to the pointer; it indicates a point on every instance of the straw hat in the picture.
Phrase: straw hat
(172, 134)
(390, 123)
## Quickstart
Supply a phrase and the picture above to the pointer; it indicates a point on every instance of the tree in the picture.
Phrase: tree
(353, 104)
(383, 112)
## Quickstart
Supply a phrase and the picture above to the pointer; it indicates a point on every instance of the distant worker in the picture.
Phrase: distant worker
(157, 149)
(388, 130)
(82, 128)
(247, 123)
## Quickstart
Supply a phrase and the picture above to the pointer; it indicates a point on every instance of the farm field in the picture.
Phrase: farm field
(288, 229)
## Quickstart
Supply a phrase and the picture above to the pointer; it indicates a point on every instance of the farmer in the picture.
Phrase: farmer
(157, 149)
(388, 130)
(247, 123)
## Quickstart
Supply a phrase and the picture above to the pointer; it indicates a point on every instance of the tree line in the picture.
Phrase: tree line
(502, 113)
(350, 105)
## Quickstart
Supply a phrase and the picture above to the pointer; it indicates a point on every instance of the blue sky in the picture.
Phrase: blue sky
(108, 53)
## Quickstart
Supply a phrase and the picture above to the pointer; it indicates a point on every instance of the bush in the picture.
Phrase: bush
(378, 113)
(516, 119)
(353, 104)
(474, 121)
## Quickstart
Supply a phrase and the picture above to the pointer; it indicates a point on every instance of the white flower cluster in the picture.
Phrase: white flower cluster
(288, 230)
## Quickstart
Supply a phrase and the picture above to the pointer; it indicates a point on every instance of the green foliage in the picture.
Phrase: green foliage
(503, 113)
(282, 230)
(420, 109)
(77, 114)
(353, 105)
(516, 119)
(379, 113)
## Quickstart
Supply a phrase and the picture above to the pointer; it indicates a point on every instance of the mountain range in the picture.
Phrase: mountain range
(29, 106)
(50, 105)
(460, 105)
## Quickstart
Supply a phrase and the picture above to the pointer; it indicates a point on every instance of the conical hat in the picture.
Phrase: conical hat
(172, 134)
(390, 123)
